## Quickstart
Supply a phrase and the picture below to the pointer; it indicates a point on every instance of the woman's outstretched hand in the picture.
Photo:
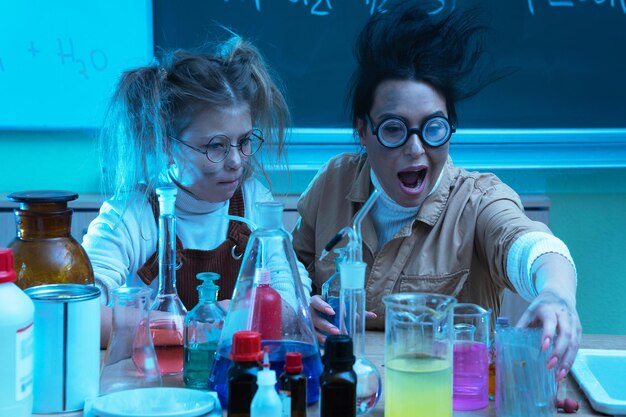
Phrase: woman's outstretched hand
(559, 320)
(322, 326)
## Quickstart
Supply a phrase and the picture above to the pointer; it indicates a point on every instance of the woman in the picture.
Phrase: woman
(436, 227)
(195, 122)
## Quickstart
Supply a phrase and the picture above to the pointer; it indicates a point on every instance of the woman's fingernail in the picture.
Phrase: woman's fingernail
(546, 344)
(552, 362)
(561, 375)
(329, 310)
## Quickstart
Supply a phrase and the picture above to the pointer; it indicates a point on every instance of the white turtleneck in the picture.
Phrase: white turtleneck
(388, 216)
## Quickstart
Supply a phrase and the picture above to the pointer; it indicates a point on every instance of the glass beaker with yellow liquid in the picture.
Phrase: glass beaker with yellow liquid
(419, 338)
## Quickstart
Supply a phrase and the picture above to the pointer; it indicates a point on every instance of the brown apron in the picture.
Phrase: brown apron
(193, 261)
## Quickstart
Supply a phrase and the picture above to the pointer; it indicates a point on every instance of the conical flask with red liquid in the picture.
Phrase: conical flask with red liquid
(269, 298)
(167, 313)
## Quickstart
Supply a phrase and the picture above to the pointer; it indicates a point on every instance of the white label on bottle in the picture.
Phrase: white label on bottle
(24, 362)
(285, 399)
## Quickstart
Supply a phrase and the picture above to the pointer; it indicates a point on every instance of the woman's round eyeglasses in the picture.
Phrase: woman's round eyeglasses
(219, 146)
(392, 132)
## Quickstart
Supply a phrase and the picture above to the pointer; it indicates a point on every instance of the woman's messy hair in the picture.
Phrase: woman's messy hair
(406, 42)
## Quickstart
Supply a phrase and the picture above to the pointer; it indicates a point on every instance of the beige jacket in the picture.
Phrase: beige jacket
(457, 244)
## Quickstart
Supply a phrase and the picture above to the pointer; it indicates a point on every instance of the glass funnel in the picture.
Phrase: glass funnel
(130, 361)
(352, 323)
(269, 298)
(352, 311)
(203, 326)
(419, 339)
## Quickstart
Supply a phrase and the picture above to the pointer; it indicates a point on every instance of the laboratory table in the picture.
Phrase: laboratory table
(375, 347)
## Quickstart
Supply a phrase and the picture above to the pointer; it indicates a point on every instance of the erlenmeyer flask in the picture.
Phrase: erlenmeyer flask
(167, 317)
(270, 250)
(130, 360)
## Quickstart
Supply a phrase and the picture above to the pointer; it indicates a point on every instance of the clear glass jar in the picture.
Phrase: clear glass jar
(44, 250)
(130, 360)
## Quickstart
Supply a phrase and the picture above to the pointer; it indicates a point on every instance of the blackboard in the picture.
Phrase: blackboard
(569, 56)
(60, 60)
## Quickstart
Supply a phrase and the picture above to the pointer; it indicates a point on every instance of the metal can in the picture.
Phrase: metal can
(67, 346)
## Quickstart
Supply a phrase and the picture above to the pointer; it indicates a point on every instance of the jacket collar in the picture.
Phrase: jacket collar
(362, 185)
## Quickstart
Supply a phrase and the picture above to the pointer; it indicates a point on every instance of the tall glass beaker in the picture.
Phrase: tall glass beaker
(270, 252)
(471, 357)
(130, 361)
(419, 339)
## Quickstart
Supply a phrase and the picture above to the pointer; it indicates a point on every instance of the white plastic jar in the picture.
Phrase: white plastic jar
(16, 346)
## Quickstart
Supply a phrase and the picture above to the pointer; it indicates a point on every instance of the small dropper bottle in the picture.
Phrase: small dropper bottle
(292, 386)
(266, 402)
(203, 326)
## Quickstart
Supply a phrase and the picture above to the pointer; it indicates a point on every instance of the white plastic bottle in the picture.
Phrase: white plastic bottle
(266, 402)
(16, 346)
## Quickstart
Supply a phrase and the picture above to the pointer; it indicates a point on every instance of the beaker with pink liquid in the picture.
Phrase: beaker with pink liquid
(470, 381)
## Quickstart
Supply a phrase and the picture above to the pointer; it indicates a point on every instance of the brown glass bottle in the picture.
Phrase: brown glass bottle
(245, 354)
(338, 381)
(44, 250)
(292, 386)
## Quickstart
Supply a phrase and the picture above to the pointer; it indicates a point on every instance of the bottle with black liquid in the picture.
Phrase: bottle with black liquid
(292, 386)
(242, 374)
(338, 381)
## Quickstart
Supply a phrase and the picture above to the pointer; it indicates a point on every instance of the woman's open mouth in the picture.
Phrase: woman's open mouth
(412, 181)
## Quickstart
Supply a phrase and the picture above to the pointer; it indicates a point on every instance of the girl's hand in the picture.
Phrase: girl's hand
(322, 326)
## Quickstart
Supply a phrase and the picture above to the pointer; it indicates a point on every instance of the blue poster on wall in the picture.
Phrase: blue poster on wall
(60, 60)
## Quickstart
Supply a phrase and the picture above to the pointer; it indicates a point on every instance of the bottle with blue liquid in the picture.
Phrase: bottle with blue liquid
(269, 266)
(203, 326)
(331, 289)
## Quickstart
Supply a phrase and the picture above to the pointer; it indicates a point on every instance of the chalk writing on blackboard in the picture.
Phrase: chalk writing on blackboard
(617, 4)
(325, 7)
(83, 64)
(33, 50)
(97, 58)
